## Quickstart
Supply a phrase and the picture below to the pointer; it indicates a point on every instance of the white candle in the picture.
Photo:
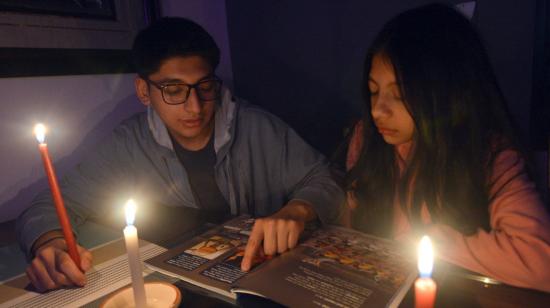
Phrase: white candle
(132, 248)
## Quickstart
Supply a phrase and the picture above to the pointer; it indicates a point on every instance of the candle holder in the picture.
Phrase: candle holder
(158, 295)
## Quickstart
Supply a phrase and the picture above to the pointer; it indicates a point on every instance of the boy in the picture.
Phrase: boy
(197, 147)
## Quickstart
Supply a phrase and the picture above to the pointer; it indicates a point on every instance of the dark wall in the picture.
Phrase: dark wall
(508, 29)
(303, 60)
(540, 110)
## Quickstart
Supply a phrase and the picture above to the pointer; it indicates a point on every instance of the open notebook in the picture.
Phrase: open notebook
(103, 279)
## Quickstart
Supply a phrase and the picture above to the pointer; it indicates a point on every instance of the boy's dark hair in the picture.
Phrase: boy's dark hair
(170, 37)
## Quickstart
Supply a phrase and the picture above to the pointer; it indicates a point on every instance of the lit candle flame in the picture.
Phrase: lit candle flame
(425, 257)
(40, 132)
(130, 211)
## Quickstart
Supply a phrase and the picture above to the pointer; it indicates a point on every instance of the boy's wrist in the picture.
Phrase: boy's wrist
(46, 238)
(298, 210)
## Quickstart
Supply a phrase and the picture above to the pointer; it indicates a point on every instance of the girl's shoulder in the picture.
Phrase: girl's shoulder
(503, 155)
(508, 169)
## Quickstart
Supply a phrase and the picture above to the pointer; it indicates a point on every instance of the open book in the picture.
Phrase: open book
(333, 267)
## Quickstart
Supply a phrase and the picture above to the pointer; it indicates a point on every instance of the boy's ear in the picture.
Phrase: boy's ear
(142, 91)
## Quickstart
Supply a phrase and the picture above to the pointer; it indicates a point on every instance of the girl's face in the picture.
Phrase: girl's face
(388, 110)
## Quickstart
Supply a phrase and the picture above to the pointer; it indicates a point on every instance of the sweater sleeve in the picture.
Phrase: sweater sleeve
(517, 248)
(306, 177)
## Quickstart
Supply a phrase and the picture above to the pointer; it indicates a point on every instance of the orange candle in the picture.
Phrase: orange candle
(424, 287)
(40, 132)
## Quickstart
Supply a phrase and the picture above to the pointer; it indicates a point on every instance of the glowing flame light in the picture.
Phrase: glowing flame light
(425, 257)
(40, 132)
(130, 211)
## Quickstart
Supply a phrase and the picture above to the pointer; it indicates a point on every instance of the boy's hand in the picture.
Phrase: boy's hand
(278, 232)
(52, 267)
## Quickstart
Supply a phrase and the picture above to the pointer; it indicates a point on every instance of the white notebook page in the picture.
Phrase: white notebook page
(102, 280)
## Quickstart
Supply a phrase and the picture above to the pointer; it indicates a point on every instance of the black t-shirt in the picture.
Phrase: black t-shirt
(200, 172)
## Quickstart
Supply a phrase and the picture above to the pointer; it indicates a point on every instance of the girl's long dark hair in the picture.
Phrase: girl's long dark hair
(461, 125)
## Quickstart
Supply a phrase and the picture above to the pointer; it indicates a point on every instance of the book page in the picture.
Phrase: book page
(335, 267)
(212, 260)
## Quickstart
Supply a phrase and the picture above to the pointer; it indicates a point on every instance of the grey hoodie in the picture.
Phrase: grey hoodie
(261, 165)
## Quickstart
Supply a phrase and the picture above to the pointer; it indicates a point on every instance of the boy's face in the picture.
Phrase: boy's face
(191, 123)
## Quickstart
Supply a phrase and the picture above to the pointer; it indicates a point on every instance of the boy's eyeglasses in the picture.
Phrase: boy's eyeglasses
(178, 93)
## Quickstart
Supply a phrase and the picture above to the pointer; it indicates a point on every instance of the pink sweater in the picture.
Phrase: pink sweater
(515, 251)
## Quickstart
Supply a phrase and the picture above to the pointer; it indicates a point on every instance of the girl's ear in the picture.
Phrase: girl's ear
(142, 91)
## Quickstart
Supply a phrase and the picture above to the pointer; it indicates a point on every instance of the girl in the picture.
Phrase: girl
(436, 153)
